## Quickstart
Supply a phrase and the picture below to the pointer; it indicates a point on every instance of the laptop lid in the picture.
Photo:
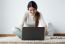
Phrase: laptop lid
(32, 33)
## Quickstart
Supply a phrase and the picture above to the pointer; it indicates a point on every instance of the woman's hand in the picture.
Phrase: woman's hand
(46, 30)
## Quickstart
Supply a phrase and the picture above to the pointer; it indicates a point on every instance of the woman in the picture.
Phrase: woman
(33, 18)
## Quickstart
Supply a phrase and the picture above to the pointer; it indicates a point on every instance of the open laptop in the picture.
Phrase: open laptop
(32, 33)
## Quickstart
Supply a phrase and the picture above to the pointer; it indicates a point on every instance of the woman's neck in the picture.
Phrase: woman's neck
(31, 14)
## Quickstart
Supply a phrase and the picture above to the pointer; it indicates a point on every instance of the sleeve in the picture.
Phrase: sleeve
(18, 29)
(42, 22)
(21, 23)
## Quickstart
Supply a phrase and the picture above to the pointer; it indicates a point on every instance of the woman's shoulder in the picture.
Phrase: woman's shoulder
(26, 12)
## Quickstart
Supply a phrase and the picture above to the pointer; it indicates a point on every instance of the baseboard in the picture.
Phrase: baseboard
(7, 35)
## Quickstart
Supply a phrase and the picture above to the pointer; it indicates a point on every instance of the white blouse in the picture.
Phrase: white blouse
(29, 21)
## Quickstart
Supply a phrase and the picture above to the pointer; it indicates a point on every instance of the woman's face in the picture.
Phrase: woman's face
(32, 10)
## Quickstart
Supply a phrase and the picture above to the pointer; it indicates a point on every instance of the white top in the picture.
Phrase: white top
(29, 21)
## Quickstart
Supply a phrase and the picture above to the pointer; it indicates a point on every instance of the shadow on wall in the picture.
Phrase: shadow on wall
(51, 29)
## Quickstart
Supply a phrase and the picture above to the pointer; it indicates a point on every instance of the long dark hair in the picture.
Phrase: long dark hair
(37, 14)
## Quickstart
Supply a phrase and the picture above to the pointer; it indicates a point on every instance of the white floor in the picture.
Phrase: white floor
(48, 40)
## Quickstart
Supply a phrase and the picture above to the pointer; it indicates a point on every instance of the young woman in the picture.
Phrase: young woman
(33, 18)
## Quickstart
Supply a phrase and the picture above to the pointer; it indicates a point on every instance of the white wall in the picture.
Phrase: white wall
(12, 11)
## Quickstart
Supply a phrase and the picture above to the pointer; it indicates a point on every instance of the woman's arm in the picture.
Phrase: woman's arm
(18, 28)
(46, 29)
(20, 25)
(44, 24)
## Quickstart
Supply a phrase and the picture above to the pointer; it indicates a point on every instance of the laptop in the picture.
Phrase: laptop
(32, 33)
